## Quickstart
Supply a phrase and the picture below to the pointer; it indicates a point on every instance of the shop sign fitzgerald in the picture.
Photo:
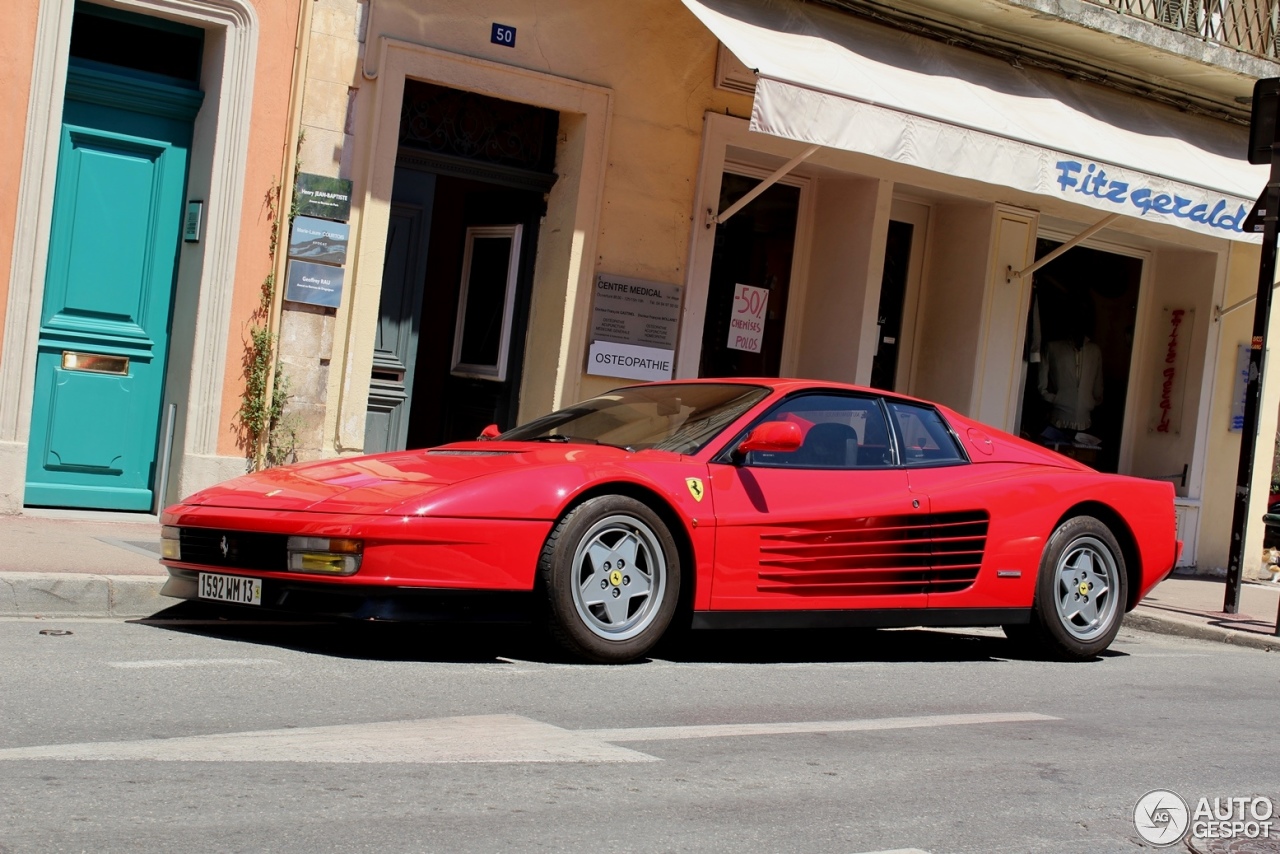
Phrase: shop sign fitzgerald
(1133, 198)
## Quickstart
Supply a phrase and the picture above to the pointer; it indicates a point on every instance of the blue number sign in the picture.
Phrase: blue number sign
(503, 35)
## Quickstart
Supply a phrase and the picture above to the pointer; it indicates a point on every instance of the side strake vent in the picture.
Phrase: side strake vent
(875, 555)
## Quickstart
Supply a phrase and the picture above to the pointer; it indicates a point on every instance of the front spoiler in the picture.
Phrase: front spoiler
(355, 602)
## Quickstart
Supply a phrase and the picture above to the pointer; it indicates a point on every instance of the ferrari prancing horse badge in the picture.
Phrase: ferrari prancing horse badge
(695, 487)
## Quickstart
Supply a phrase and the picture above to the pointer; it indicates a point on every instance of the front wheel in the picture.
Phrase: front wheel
(611, 572)
(1081, 591)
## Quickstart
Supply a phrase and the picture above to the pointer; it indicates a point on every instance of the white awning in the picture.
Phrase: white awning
(831, 79)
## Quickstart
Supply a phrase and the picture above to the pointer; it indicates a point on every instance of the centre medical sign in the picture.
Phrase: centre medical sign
(633, 328)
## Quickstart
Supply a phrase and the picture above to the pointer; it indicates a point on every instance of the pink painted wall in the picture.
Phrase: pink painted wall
(17, 48)
(267, 142)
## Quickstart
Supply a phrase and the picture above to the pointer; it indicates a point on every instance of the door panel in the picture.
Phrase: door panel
(108, 290)
(395, 352)
(828, 525)
(804, 539)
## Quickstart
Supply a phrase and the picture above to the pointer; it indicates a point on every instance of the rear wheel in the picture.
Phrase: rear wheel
(1080, 593)
(611, 573)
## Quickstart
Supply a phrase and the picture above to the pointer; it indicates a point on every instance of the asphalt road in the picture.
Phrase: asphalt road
(194, 734)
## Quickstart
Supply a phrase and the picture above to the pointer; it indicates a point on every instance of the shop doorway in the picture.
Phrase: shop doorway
(899, 297)
(132, 95)
(750, 278)
(1078, 352)
(469, 193)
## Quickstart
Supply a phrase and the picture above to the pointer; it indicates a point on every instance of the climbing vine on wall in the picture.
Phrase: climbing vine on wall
(261, 412)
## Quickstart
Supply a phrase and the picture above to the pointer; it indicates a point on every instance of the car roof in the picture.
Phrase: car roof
(790, 384)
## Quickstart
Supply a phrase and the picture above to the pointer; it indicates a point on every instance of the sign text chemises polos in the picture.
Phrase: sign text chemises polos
(746, 322)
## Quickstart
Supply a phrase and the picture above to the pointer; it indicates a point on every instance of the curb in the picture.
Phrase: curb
(1165, 626)
(37, 594)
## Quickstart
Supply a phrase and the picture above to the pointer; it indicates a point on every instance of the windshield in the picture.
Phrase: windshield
(680, 418)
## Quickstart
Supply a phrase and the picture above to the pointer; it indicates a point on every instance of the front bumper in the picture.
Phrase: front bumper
(444, 553)
(366, 601)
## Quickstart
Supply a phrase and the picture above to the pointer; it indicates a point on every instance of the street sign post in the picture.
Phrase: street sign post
(1263, 148)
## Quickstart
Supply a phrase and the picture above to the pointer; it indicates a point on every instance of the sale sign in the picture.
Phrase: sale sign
(746, 325)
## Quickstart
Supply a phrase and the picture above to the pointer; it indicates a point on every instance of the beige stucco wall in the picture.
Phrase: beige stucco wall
(656, 64)
(1223, 446)
(838, 324)
(1177, 280)
(951, 303)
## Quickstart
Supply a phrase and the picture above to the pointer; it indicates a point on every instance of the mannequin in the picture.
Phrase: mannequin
(1071, 378)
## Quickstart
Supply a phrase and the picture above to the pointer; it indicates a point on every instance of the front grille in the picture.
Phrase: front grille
(876, 556)
(238, 549)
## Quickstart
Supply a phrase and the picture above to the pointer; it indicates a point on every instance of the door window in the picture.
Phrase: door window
(490, 264)
(840, 432)
(926, 439)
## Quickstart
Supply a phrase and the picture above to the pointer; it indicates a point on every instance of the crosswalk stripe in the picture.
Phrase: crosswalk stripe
(470, 739)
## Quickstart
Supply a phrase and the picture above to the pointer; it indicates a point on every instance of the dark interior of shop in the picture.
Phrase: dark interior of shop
(1078, 352)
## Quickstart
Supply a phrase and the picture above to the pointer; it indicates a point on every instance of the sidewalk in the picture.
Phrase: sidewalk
(62, 565)
(59, 564)
(1191, 606)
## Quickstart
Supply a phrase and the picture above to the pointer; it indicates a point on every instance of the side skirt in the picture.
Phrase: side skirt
(895, 618)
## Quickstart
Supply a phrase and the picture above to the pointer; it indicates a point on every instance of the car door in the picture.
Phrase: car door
(832, 525)
(962, 499)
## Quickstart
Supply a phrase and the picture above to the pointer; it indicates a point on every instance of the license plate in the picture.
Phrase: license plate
(230, 588)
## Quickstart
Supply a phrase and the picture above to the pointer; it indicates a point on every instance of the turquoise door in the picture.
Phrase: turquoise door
(104, 325)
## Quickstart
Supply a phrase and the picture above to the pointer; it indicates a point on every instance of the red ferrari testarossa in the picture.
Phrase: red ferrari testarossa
(721, 503)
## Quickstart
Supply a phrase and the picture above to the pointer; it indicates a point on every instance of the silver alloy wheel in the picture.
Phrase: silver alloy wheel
(1084, 589)
(619, 577)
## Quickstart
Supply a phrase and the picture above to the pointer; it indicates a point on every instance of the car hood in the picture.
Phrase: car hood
(382, 482)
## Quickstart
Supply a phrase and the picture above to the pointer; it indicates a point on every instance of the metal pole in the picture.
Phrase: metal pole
(166, 457)
(1253, 387)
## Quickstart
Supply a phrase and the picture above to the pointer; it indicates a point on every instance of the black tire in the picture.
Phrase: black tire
(1081, 592)
(611, 573)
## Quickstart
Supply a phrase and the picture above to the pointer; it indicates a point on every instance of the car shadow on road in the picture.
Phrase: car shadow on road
(506, 642)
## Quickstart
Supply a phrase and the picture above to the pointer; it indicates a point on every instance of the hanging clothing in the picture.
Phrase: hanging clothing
(1033, 337)
(1071, 381)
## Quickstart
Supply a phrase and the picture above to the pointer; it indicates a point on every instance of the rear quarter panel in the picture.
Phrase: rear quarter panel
(1027, 502)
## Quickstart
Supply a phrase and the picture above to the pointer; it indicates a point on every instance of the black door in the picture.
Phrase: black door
(471, 353)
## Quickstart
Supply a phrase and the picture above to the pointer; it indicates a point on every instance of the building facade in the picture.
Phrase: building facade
(865, 192)
(144, 137)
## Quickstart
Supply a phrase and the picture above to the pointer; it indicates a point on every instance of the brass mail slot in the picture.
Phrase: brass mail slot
(95, 362)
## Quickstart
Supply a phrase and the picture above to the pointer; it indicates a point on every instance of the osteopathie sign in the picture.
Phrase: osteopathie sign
(608, 359)
(633, 328)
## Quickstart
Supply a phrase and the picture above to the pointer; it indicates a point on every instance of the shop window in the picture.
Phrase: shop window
(1077, 355)
(750, 281)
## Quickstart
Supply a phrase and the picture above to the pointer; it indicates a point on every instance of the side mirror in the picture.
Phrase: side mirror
(778, 437)
(490, 432)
